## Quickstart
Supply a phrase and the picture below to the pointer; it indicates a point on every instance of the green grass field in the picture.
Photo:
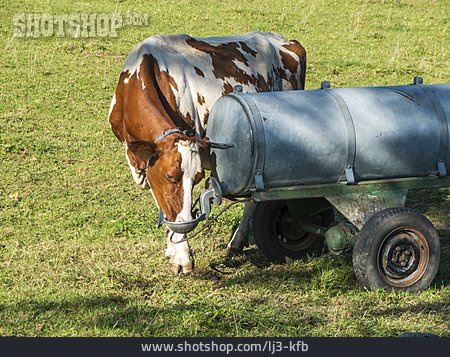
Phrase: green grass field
(79, 251)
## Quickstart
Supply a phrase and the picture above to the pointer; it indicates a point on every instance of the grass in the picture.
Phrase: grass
(79, 251)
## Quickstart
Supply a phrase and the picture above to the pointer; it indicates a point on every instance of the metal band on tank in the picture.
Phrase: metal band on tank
(258, 140)
(443, 145)
(351, 152)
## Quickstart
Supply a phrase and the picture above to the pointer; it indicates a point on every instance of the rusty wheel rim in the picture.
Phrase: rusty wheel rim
(403, 257)
(290, 235)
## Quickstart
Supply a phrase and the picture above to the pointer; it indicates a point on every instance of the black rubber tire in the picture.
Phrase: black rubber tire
(264, 226)
(379, 232)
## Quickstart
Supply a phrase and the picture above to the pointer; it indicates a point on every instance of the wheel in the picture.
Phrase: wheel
(397, 249)
(279, 236)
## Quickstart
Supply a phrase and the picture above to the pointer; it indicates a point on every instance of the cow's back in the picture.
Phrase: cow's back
(195, 72)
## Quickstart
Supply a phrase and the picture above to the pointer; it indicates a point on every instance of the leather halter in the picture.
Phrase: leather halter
(163, 135)
(167, 133)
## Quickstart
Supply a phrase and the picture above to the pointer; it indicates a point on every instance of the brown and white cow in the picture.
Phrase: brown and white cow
(161, 105)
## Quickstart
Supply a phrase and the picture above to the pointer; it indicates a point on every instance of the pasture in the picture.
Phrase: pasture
(80, 254)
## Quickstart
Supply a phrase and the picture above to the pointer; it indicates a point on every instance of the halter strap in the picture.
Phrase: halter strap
(167, 133)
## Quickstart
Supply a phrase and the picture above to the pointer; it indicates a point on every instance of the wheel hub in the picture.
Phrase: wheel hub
(403, 257)
(289, 231)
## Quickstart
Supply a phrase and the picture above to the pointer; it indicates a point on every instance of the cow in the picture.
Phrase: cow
(161, 105)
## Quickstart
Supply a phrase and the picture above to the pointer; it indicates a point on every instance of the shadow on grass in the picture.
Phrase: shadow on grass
(437, 307)
(118, 316)
(251, 268)
(253, 257)
(132, 312)
(425, 200)
(443, 275)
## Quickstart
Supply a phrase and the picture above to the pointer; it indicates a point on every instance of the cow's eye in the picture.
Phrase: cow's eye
(173, 178)
(170, 178)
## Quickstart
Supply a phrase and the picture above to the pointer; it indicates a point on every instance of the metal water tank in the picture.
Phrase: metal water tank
(281, 139)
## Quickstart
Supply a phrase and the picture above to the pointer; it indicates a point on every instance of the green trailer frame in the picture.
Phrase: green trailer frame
(365, 187)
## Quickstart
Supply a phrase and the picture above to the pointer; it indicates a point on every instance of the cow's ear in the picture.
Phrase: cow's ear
(142, 154)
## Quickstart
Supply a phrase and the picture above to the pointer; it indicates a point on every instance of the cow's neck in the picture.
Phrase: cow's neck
(159, 93)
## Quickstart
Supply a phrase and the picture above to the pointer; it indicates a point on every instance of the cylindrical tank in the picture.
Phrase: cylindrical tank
(281, 139)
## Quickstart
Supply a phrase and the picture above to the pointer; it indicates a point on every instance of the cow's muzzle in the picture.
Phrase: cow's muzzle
(212, 194)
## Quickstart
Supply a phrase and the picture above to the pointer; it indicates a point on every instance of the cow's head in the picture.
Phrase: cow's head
(173, 168)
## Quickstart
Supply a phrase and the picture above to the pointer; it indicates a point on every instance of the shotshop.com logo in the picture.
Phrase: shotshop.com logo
(74, 25)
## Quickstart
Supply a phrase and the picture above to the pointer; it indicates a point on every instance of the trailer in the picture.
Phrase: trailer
(333, 167)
